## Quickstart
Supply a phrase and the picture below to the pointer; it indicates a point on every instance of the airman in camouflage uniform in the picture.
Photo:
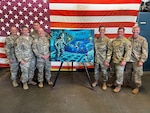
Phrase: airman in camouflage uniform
(42, 52)
(138, 57)
(102, 51)
(26, 57)
(10, 44)
(34, 34)
(121, 52)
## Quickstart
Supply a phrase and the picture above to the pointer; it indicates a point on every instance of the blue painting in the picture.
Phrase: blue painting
(72, 45)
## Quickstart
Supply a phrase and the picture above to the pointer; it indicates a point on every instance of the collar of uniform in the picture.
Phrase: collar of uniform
(120, 38)
(101, 38)
(136, 38)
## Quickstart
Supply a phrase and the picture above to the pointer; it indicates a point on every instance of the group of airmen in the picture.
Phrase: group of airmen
(26, 52)
(118, 54)
(31, 51)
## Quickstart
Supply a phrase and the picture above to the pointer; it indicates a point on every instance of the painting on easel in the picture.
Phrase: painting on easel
(72, 45)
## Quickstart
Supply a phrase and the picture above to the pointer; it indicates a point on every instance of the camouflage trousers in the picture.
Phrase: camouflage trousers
(103, 69)
(119, 71)
(136, 71)
(43, 65)
(27, 70)
(14, 67)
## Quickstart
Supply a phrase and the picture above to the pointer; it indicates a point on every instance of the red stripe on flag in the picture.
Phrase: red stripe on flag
(96, 1)
(4, 65)
(94, 13)
(2, 45)
(3, 55)
(64, 67)
(91, 25)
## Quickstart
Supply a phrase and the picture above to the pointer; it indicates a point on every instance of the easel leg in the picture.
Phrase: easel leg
(57, 75)
(88, 75)
(72, 67)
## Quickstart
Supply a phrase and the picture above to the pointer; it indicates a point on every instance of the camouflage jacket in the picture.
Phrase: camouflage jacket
(139, 49)
(41, 47)
(23, 49)
(121, 50)
(10, 44)
(35, 35)
(102, 49)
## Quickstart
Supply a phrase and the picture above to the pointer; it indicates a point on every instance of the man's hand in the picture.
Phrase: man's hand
(45, 56)
(106, 64)
(22, 62)
(140, 64)
(123, 63)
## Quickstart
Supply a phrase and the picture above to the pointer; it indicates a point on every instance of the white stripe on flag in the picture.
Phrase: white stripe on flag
(110, 30)
(2, 39)
(4, 61)
(92, 19)
(2, 50)
(70, 64)
(83, 7)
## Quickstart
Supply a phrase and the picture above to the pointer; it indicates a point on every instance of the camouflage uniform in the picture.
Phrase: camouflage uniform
(121, 51)
(102, 49)
(139, 54)
(41, 48)
(35, 35)
(10, 44)
(24, 52)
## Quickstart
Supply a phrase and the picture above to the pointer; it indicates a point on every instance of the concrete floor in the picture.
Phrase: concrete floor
(72, 94)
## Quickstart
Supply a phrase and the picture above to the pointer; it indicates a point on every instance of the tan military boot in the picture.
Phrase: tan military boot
(104, 87)
(25, 86)
(95, 83)
(117, 89)
(50, 83)
(32, 82)
(40, 84)
(135, 90)
(14, 83)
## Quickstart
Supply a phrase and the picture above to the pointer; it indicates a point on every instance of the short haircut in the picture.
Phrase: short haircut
(121, 28)
(24, 27)
(135, 27)
(101, 27)
(36, 22)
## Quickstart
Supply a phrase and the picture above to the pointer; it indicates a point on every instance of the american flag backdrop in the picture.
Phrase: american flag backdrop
(90, 14)
(67, 14)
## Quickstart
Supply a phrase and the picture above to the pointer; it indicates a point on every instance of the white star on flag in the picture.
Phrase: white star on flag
(29, 5)
(19, 4)
(15, 8)
(4, 7)
(7, 24)
(25, 9)
(40, 14)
